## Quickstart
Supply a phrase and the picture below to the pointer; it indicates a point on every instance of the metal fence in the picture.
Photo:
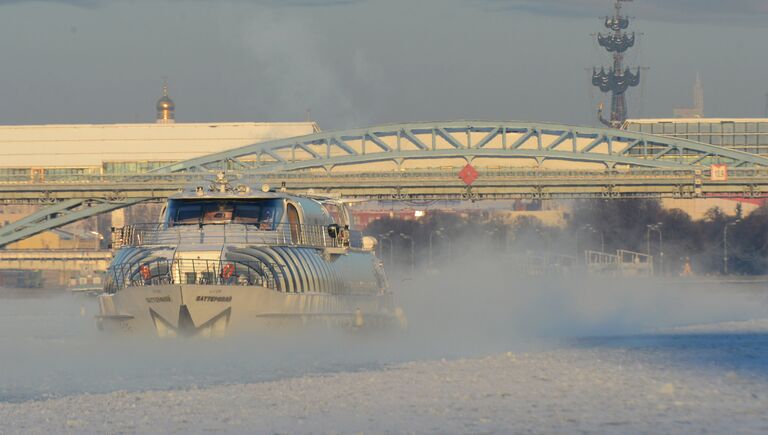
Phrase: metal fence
(47, 176)
(163, 271)
(280, 234)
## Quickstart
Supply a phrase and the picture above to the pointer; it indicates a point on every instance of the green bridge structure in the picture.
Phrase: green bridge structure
(418, 161)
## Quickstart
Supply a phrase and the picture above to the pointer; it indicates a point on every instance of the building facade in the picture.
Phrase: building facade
(127, 148)
(742, 134)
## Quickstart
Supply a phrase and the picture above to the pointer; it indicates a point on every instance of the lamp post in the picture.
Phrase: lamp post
(443, 235)
(725, 245)
(440, 233)
(587, 227)
(602, 240)
(432, 233)
(386, 236)
(543, 237)
(413, 252)
(594, 230)
(655, 227)
(490, 233)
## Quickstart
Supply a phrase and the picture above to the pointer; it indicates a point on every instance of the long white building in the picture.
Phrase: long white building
(121, 148)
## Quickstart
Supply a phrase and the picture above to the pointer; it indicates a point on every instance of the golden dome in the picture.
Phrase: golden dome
(165, 107)
(165, 103)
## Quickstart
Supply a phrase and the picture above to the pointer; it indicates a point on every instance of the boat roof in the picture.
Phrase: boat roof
(250, 194)
(221, 188)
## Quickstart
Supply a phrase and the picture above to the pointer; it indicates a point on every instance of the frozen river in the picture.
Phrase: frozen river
(539, 356)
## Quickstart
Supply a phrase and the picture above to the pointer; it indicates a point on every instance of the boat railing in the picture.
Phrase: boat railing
(162, 271)
(270, 234)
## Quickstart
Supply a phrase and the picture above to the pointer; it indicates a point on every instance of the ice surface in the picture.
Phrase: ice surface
(603, 387)
(541, 355)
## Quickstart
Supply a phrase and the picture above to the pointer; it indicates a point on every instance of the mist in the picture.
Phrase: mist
(481, 303)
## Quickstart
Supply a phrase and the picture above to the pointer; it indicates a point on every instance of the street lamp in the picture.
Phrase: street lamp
(543, 236)
(602, 239)
(578, 252)
(432, 233)
(590, 228)
(725, 245)
(386, 236)
(440, 232)
(413, 252)
(490, 233)
(655, 227)
(443, 235)
(596, 231)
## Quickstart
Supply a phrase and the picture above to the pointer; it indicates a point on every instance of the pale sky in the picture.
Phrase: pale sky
(363, 62)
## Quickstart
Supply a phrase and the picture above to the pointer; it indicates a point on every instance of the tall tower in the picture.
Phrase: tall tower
(165, 108)
(618, 79)
(766, 105)
(697, 111)
(698, 95)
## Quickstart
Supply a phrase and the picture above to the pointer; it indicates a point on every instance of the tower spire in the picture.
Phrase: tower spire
(618, 78)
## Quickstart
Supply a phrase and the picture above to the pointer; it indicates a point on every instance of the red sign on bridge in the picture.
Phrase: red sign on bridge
(468, 175)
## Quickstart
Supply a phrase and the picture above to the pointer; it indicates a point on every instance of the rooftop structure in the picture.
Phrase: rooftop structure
(617, 79)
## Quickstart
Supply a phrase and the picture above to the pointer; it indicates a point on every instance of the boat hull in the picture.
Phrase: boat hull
(215, 310)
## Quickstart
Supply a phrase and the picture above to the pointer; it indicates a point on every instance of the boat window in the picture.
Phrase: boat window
(217, 213)
(188, 214)
(335, 211)
(262, 213)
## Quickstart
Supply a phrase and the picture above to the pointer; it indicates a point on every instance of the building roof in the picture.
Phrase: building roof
(90, 145)
(693, 120)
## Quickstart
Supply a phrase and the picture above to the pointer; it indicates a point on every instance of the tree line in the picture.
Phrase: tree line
(718, 240)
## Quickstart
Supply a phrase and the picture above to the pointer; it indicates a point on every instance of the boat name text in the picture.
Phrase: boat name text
(214, 299)
(158, 299)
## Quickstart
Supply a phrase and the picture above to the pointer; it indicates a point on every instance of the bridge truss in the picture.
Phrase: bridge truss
(419, 161)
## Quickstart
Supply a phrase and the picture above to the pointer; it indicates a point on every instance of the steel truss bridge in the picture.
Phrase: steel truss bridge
(418, 161)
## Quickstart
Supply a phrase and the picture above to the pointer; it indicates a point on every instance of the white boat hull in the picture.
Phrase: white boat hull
(212, 310)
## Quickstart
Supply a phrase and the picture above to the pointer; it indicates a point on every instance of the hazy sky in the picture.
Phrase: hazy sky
(362, 62)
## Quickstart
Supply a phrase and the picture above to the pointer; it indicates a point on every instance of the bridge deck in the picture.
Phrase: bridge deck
(415, 184)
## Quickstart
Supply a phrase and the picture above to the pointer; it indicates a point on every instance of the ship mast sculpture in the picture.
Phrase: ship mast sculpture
(618, 79)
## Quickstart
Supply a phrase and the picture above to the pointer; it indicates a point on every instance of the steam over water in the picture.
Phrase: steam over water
(469, 308)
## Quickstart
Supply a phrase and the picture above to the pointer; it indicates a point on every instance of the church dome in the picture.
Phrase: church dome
(165, 107)
(165, 103)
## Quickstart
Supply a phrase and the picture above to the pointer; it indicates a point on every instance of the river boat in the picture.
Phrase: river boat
(228, 259)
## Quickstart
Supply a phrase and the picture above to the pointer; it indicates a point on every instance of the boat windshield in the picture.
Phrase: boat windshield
(264, 213)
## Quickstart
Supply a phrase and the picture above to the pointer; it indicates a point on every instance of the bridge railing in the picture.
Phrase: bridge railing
(161, 271)
(186, 178)
(316, 236)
